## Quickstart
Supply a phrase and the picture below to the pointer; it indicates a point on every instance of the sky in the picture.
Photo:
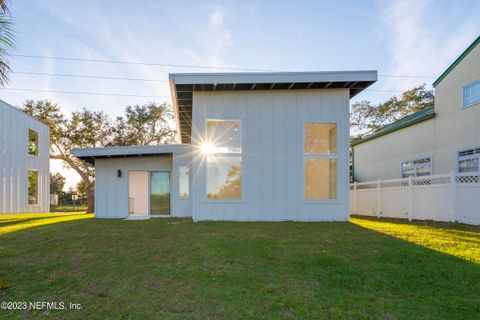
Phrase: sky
(409, 42)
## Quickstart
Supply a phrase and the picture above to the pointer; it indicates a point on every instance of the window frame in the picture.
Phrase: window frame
(475, 155)
(223, 155)
(415, 167)
(179, 182)
(37, 152)
(38, 188)
(465, 86)
(320, 156)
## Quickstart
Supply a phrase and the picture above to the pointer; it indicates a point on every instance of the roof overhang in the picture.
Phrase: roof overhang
(182, 86)
(91, 154)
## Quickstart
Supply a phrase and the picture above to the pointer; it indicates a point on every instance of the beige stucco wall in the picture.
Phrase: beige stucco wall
(381, 158)
(454, 128)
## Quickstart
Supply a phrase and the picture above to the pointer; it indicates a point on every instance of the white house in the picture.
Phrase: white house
(439, 140)
(24, 162)
(254, 146)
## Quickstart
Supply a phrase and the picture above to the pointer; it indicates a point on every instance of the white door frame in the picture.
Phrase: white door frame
(149, 172)
(150, 195)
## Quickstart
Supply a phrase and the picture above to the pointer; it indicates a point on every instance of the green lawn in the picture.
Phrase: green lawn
(68, 208)
(177, 269)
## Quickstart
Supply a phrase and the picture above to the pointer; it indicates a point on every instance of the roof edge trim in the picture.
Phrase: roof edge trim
(457, 61)
(429, 114)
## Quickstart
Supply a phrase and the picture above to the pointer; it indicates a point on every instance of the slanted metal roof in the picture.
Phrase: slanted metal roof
(90, 154)
(182, 86)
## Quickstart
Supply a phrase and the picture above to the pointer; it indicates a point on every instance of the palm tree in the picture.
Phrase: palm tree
(6, 41)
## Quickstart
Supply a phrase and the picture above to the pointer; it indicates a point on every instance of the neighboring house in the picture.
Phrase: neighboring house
(24, 162)
(433, 141)
(254, 146)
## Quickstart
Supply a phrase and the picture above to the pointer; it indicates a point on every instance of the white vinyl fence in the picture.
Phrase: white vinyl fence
(444, 197)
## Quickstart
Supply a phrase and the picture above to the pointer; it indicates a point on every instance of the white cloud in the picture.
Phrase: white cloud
(420, 40)
(218, 39)
(216, 17)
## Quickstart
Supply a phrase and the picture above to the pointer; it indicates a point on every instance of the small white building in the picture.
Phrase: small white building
(24, 162)
(254, 147)
(439, 140)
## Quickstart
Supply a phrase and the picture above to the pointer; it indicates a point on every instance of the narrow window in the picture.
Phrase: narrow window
(184, 182)
(471, 93)
(417, 168)
(469, 160)
(32, 142)
(32, 187)
(223, 147)
(320, 161)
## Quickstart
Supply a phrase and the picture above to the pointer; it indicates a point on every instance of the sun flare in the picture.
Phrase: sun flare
(208, 148)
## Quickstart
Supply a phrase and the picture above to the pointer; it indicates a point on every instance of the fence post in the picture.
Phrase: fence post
(355, 198)
(453, 186)
(411, 198)
(379, 198)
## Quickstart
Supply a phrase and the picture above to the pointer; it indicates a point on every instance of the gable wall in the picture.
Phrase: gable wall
(457, 127)
(15, 161)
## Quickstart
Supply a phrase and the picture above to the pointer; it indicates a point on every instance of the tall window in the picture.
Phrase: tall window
(417, 168)
(184, 182)
(223, 147)
(469, 160)
(32, 142)
(32, 187)
(471, 93)
(320, 161)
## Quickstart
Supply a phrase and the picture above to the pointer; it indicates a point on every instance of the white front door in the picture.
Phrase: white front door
(138, 193)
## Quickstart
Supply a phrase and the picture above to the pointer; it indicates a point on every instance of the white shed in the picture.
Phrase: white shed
(24, 162)
(255, 147)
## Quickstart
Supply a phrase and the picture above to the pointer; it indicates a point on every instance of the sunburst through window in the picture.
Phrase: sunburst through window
(223, 148)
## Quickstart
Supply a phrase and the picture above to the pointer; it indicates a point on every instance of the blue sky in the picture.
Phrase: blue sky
(397, 38)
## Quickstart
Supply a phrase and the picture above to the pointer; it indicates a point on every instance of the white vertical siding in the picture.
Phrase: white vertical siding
(272, 167)
(15, 161)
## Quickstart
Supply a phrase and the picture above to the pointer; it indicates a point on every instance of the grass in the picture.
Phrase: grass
(68, 208)
(177, 269)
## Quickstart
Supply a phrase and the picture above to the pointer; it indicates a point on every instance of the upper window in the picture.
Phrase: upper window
(223, 147)
(320, 161)
(32, 142)
(471, 93)
(184, 182)
(224, 136)
(417, 168)
(32, 187)
(468, 160)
